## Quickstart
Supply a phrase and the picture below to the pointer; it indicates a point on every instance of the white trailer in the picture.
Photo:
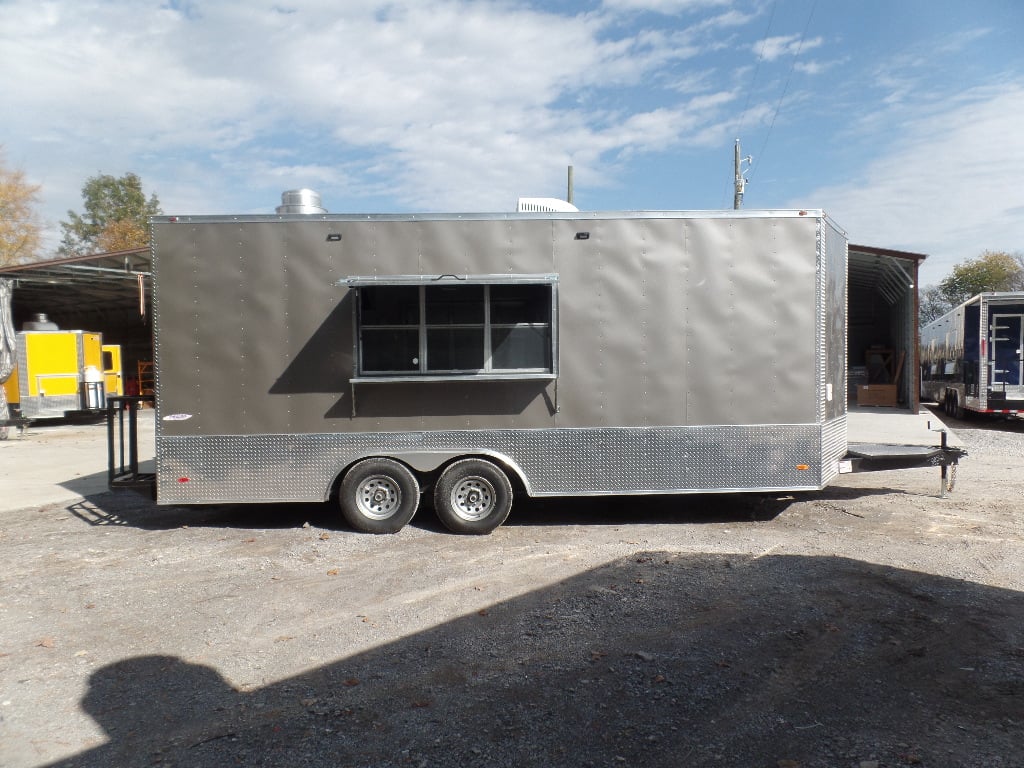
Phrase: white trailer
(368, 358)
(972, 358)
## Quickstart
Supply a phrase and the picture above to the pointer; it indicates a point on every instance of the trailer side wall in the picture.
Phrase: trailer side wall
(693, 353)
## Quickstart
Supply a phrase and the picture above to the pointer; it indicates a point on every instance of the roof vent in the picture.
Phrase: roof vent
(39, 322)
(300, 201)
(544, 205)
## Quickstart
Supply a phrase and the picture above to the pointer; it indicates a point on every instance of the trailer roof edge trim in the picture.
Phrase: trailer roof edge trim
(484, 216)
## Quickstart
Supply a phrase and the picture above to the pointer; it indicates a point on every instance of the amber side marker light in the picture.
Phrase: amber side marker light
(802, 467)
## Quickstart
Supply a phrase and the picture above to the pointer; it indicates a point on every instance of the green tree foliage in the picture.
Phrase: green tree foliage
(115, 217)
(20, 226)
(991, 271)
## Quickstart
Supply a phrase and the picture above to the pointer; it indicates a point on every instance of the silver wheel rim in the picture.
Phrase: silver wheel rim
(473, 498)
(378, 497)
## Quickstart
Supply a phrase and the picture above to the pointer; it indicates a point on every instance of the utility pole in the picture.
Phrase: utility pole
(740, 182)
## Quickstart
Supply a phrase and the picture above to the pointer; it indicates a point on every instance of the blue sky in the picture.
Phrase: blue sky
(903, 119)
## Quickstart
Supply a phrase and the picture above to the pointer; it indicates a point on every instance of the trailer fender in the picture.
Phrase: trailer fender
(431, 461)
(427, 462)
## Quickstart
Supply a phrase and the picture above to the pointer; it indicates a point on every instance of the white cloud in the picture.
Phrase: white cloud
(662, 6)
(772, 48)
(458, 105)
(815, 67)
(949, 187)
(439, 104)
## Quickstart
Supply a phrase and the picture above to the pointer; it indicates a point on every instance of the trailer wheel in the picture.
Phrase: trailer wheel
(472, 496)
(954, 407)
(958, 407)
(379, 496)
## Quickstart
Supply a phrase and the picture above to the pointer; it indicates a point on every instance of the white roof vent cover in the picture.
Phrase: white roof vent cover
(544, 205)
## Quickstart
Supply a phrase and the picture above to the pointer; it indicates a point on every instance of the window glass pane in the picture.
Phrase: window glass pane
(520, 304)
(390, 350)
(523, 347)
(455, 349)
(455, 304)
(389, 305)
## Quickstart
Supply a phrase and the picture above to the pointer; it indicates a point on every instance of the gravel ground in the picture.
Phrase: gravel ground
(869, 625)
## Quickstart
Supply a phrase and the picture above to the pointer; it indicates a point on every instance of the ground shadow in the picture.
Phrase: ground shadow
(323, 363)
(657, 659)
(984, 421)
(138, 511)
(125, 508)
(669, 509)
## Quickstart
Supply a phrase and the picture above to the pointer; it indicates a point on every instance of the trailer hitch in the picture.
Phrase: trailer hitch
(951, 459)
(873, 457)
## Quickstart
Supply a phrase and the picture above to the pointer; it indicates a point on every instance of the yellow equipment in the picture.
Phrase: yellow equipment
(113, 380)
(61, 373)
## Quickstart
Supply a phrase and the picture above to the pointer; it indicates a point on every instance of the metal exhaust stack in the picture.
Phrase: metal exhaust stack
(300, 201)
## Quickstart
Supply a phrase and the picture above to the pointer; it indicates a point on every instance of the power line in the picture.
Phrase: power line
(785, 88)
(757, 69)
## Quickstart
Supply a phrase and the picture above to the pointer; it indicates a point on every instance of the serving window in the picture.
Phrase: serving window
(456, 327)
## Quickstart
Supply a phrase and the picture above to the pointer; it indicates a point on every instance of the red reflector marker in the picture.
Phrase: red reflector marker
(183, 479)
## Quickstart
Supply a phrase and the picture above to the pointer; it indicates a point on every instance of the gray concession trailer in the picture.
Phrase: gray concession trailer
(368, 358)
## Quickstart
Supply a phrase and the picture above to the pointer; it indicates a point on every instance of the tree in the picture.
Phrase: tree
(20, 226)
(120, 235)
(991, 271)
(115, 217)
(932, 304)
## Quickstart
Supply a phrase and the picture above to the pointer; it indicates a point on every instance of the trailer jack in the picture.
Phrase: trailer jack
(876, 457)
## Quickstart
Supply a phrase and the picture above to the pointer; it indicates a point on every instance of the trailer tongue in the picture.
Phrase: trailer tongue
(875, 457)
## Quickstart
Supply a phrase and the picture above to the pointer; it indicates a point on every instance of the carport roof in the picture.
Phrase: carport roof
(884, 270)
(93, 287)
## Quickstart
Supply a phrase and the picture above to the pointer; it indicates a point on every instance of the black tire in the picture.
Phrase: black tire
(379, 496)
(958, 408)
(472, 496)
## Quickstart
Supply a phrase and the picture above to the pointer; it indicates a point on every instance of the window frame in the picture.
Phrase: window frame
(488, 372)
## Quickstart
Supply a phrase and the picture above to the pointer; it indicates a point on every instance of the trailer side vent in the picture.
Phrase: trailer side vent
(334, 237)
(582, 236)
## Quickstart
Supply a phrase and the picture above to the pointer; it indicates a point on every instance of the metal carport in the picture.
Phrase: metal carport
(105, 292)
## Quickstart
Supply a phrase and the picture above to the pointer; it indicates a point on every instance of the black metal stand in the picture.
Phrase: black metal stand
(123, 450)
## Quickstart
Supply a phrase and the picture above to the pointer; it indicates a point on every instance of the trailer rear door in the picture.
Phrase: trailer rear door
(1007, 347)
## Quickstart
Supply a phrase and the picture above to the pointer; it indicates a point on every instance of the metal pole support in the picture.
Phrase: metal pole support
(944, 469)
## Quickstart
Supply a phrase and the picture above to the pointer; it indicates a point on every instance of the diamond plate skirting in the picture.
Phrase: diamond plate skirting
(834, 443)
(551, 462)
(49, 406)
